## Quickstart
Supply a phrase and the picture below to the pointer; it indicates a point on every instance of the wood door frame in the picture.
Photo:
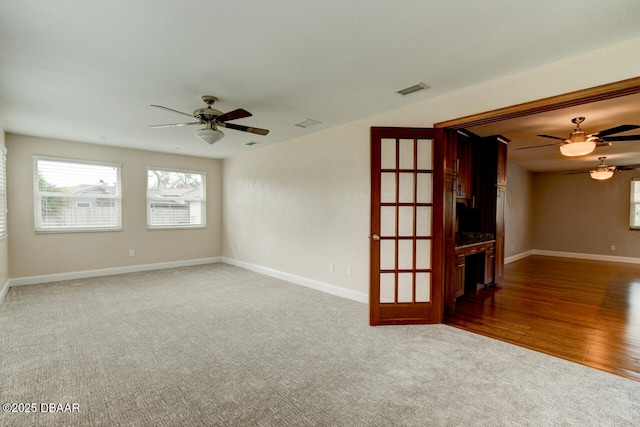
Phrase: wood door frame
(584, 96)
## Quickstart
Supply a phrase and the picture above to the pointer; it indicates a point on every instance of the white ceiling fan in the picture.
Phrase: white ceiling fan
(212, 119)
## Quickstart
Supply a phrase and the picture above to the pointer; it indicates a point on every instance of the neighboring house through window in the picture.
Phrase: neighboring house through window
(76, 195)
(175, 198)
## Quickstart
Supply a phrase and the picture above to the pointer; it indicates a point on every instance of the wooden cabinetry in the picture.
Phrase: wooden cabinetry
(502, 162)
(450, 152)
(465, 166)
(489, 265)
(492, 175)
(474, 205)
(500, 198)
(457, 286)
(500, 203)
(472, 265)
(450, 269)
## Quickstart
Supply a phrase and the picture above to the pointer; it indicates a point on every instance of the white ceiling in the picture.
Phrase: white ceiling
(89, 70)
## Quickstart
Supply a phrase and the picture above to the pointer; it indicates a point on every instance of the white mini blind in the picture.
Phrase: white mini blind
(76, 195)
(175, 198)
(634, 217)
(3, 191)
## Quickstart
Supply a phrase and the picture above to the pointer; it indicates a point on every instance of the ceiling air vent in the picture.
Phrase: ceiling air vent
(413, 89)
(307, 123)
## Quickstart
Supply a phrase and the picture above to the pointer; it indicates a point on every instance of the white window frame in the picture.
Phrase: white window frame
(202, 199)
(634, 215)
(41, 227)
(3, 192)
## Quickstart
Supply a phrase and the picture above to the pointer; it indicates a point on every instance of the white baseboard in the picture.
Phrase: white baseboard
(595, 257)
(4, 290)
(303, 281)
(33, 280)
(514, 258)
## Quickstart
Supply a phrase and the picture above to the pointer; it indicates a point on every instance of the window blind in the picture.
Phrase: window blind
(76, 195)
(634, 217)
(3, 191)
(175, 198)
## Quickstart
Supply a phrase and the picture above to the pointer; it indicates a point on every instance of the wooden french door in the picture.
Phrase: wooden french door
(406, 248)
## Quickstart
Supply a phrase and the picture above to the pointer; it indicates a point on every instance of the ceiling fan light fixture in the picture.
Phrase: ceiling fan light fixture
(210, 135)
(603, 171)
(573, 149)
(601, 175)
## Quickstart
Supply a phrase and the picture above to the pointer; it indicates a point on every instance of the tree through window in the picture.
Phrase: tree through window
(175, 198)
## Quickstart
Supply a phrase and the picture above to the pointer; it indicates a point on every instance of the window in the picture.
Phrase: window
(3, 191)
(76, 195)
(175, 199)
(634, 221)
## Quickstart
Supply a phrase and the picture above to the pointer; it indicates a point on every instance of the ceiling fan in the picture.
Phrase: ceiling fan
(603, 171)
(580, 143)
(212, 119)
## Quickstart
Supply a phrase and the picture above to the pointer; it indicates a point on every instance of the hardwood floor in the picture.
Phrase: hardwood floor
(580, 310)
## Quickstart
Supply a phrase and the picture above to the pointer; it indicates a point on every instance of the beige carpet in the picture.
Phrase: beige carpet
(216, 345)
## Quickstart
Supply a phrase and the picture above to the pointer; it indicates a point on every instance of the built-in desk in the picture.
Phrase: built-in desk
(474, 265)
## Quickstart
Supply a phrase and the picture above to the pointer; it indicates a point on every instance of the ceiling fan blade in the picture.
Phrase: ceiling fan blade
(575, 172)
(556, 144)
(171, 109)
(623, 138)
(175, 125)
(617, 129)
(233, 115)
(629, 168)
(552, 137)
(244, 128)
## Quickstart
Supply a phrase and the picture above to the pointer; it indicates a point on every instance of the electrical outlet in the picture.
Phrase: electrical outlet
(349, 270)
(613, 247)
(331, 267)
(132, 252)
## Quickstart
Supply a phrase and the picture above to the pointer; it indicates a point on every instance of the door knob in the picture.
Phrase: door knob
(376, 237)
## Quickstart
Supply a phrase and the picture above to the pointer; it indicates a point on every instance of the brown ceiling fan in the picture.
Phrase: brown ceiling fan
(580, 142)
(604, 171)
(212, 119)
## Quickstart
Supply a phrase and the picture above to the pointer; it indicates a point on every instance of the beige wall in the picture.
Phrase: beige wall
(34, 254)
(518, 211)
(300, 205)
(574, 213)
(296, 206)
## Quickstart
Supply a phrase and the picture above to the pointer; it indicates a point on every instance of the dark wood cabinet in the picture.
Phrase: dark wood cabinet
(449, 238)
(500, 203)
(489, 265)
(465, 166)
(501, 195)
(450, 152)
(502, 161)
(474, 212)
(458, 284)
(472, 266)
